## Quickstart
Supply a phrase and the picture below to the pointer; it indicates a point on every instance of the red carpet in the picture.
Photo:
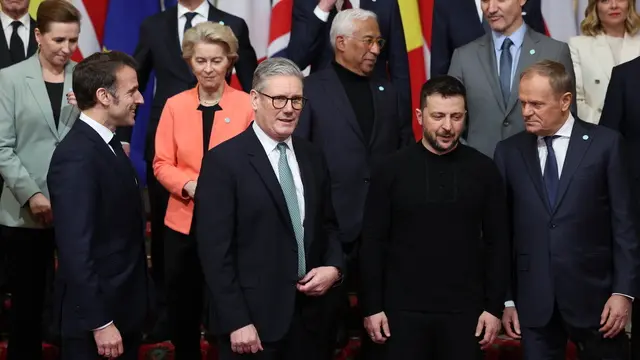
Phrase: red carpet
(503, 349)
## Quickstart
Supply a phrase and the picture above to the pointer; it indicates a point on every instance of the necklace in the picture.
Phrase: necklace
(209, 102)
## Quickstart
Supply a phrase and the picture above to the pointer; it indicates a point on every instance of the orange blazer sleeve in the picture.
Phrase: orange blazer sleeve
(165, 163)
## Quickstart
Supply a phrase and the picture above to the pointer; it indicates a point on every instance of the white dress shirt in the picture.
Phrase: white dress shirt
(202, 12)
(271, 148)
(324, 16)
(560, 147)
(23, 31)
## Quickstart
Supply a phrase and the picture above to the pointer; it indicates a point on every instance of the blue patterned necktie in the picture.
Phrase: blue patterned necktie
(506, 63)
(289, 191)
(551, 178)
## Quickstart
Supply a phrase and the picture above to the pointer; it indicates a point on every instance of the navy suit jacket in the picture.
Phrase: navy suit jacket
(328, 120)
(5, 55)
(310, 45)
(456, 23)
(246, 241)
(99, 234)
(583, 249)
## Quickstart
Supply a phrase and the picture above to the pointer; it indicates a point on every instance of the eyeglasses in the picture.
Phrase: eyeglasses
(370, 41)
(279, 102)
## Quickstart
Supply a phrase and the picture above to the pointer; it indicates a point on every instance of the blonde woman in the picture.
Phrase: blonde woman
(610, 37)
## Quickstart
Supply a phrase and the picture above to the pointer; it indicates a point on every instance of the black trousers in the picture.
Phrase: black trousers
(635, 331)
(86, 349)
(158, 199)
(30, 260)
(550, 342)
(432, 336)
(185, 285)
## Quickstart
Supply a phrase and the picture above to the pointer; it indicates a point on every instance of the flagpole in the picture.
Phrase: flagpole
(162, 6)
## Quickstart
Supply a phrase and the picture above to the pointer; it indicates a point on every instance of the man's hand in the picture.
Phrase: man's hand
(109, 341)
(615, 315)
(41, 208)
(491, 326)
(318, 280)
(246, 340)
(326, 5)
(71, 98)
(190, 189)
(511, 323)
(377, 327)
(126, 147)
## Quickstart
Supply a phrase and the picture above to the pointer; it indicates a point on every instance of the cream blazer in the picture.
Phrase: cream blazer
(592, 62)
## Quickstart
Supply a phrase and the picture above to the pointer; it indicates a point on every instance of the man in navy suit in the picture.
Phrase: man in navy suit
(101, 290)
(575, 242)
(310, 43)
(459, 22)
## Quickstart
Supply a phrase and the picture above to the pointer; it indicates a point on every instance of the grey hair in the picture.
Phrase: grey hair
(343, 23)
(276, 66)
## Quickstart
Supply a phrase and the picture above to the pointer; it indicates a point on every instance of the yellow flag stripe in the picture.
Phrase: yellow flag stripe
(33, 7)
(410, 13)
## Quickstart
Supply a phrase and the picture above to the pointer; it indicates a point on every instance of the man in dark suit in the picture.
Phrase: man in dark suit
(574, 233)
(266, 231)
(459, 22)
(160, 52)
(310, 43)
(101, 292)
(621, 112)
(17, 39)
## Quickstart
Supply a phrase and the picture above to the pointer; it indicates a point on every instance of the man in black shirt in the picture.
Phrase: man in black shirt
(435, 253)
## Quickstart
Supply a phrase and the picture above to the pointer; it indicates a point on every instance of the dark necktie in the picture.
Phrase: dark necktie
(506, 62)
(16, 46)
(347, 5)
(189, 16)
(551, 178)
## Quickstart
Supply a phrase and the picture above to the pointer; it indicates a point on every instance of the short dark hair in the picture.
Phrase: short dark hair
(98, 71)
(559, 78)
(56, 11)
(445, 85)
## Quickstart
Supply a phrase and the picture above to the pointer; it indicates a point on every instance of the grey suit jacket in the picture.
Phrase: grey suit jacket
(475, 65)
(28, 136)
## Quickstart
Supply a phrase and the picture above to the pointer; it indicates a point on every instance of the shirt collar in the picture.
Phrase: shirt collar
(6, 21)
(267, 142)
(565, 130)
(517, 37)
(102, 130)
(202, 10)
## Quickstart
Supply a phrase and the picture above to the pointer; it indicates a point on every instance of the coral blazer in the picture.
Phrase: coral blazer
(179, 145)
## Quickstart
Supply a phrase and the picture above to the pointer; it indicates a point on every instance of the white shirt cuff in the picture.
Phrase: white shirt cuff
(321, 14)
(630, 297)
(509, 303)
(103, 326)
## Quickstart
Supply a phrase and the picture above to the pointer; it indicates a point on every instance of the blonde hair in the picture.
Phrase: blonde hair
(591, 25)
(210, 33)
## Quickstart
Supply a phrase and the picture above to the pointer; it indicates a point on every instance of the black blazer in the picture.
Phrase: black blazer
(586, 247)
(621, 112)
(310, 46)
(329, 121)
(159, 51)
(99, 236)
(5, 55)
(246, 242)
(456, 23)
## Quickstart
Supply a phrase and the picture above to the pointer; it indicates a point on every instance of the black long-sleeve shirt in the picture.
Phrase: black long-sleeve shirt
(435, 234)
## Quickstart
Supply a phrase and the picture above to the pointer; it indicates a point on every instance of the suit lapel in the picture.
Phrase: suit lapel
(602, 53)
(630, 48)
(528, 56)
(578, 145)
(261, 164)
(308, 183)
(173, 45)
(529, 152)
(487, 56)
(5, 55)
(335, 91)
(68, 113)
(35, 83)
(377, 89)
(102, 147)
(32, 47)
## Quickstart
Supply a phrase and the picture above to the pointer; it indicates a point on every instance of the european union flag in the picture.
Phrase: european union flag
(121, 32)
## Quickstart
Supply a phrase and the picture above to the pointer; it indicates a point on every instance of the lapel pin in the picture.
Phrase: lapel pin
(227, 120)
(585, 137)
(381, 88)
(221, 22)
(532, 51)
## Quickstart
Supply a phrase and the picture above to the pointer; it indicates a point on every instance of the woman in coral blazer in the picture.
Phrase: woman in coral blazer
(610, 37)
(193, 122)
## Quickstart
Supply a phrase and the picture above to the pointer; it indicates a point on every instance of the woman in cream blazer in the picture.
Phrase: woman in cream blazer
(610, 37)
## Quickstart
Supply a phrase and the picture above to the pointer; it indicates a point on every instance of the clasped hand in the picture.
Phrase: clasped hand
(318, 281)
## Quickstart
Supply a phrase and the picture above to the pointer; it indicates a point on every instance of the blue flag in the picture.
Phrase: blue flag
(121, 32)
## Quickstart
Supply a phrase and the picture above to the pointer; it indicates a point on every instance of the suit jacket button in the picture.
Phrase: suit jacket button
(552, 226)
(597, 81)
(506, 123)
(57, 143)
(366, 180)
